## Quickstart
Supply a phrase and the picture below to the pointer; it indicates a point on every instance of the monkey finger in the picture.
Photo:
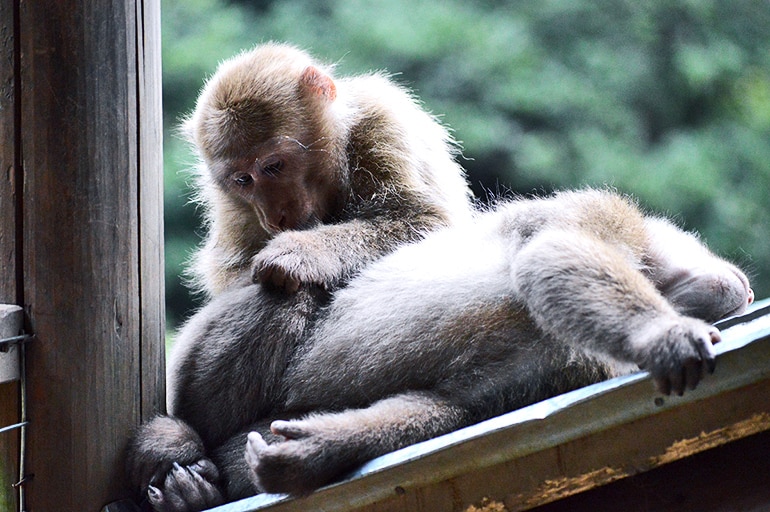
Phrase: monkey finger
(206, 493)
(288, 429)
(663, 385)
(693, 372)
(707, 351)
(206, 469)
(155, 497)
(677, 379)
(715, 335)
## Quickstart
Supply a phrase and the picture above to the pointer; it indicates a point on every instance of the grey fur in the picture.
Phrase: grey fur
(533, 299)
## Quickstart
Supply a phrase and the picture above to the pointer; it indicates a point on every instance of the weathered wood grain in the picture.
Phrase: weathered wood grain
(9, 286)
(91, 219)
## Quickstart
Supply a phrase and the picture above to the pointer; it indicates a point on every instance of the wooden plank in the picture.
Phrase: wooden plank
(151, 269)
(8, 155)
(90, 306)
(565, 445)
(725, 479)
(9, 289)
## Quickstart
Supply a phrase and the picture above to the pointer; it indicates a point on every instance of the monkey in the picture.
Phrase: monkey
(532, 299)
(304, 178)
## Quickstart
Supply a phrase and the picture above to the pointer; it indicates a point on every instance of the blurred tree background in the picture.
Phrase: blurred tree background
(668, 100)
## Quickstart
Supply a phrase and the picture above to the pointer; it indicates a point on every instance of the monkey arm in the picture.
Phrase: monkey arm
(330, 254)
(611, 308)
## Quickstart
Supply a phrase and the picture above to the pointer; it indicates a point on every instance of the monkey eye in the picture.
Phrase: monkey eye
(272, 167)
(243, 179)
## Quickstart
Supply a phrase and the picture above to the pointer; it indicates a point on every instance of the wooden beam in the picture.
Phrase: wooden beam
(730, 477)
(10, 288)
(91, 216)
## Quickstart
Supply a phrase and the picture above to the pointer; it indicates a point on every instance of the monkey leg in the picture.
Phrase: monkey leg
(694, 280)
(234, 352)
(591, 294)
(322, 447)
(167, 461)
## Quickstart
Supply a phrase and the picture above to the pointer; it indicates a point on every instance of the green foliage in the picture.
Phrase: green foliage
(666, 100)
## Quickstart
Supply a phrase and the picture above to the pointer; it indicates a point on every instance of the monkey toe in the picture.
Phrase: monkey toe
(255, 445)
(289, 429)
(286, 466)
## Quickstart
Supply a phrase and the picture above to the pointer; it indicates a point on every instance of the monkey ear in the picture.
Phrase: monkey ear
(318, 83)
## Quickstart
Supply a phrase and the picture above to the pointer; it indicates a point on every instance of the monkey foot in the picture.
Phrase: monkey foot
(186, 489)
(296, 466)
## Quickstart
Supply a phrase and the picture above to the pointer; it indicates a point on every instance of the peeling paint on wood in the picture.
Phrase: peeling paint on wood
(707, 440)
(555, 489)
(488, 505)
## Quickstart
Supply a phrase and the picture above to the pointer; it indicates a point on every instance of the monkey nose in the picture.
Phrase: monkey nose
(278, 223)
(283, 223)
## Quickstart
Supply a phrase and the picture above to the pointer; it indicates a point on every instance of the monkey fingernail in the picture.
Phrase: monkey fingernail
(153, 492)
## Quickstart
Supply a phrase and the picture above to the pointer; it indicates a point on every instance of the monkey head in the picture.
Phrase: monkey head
(267, 131)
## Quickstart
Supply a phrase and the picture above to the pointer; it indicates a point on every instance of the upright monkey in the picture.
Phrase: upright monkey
(306, 178)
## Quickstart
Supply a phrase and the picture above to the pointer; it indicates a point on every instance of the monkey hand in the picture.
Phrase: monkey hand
(678, 353)
(296, 258)
(298, 465)
(186, 488)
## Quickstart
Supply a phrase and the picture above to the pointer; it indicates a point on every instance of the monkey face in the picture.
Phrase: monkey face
(288, 184)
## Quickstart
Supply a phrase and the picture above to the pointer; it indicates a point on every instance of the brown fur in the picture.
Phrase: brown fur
(358, 158)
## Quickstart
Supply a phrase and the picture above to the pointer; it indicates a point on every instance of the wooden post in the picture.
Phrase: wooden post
(10, 287)
(84, 246)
